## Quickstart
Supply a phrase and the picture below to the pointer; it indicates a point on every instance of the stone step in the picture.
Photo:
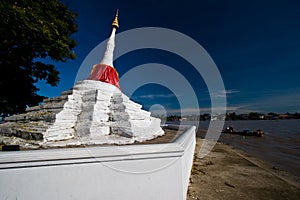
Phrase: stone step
(28, 131)
(34, 108)
(120, 116)
(58, 135)
(14, 118)
(54, 105)
(32, 116)
(28, 135)
(67, 92)
(126, 106)
(40, 116)
(56, 99)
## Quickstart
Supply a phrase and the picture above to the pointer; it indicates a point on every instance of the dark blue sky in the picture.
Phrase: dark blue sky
(254, 44)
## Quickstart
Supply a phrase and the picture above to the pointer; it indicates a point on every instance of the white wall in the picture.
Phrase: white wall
(159, 171)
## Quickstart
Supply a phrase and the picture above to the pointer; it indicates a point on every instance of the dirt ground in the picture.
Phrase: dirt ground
(227, 173)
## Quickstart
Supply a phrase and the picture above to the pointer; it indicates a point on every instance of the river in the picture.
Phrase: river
(280, 145)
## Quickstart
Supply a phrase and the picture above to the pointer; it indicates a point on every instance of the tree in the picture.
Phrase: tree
(31, 30)
(231, 116)
(253, 115)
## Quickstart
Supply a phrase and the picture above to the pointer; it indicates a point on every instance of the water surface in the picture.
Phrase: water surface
(280, 145)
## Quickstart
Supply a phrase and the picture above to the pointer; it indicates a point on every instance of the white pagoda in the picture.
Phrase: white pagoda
(94, 111)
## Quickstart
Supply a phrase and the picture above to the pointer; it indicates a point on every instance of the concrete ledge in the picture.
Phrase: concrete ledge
(148, 171)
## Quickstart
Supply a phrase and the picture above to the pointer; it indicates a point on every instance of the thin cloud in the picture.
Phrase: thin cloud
(224, 93)
(231, 91)
(269, 101)
(154, 96)
(218, 110)
(197, 111)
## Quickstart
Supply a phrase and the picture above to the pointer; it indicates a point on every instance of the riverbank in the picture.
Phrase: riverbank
(227, 173)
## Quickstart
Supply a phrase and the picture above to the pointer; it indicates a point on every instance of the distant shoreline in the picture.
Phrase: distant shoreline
(231, 117)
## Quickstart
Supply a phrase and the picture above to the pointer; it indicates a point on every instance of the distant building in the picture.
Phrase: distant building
(284, 116)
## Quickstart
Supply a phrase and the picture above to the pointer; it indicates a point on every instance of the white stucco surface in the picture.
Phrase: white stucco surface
(97, 110)
(156, 171)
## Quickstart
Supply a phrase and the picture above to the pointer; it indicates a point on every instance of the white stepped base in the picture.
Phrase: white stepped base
(96, 110)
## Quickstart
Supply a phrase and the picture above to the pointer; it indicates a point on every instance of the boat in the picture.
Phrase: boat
(246, 132)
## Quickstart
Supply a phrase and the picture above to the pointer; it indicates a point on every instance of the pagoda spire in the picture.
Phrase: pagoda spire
(105, 71)
(116, 22)
(109, 52)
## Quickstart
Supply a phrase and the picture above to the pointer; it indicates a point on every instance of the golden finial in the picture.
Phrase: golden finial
(115, 22)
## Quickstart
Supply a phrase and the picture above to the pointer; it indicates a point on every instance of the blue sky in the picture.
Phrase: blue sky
(254, 44)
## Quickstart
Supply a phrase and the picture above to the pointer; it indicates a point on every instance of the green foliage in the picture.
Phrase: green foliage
(32, 29)
(253, 115)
